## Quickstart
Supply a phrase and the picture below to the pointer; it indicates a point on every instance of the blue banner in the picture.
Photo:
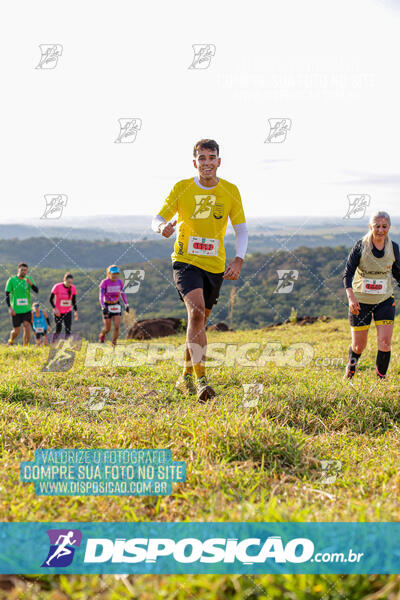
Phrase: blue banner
(194, 548)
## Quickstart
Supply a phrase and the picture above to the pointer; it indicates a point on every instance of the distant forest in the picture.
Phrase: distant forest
(251, 302)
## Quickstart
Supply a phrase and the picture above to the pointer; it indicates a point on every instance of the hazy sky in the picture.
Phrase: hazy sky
(329, 67)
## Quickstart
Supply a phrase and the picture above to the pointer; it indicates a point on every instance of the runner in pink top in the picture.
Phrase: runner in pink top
(63, 300)
(111, 289)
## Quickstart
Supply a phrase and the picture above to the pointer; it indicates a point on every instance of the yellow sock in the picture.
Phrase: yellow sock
(200, 370)
(188, 369)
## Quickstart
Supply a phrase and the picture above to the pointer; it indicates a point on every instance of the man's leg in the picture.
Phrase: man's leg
(188, 368)
(196, 340)
(27, 333)
(14, 334)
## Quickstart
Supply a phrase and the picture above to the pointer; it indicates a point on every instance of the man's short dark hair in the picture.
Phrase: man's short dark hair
(207, 145)
(21, 264)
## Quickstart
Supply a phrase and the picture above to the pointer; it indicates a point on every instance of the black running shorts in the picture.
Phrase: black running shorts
(188, 277)
(383, 314)
(19, 318)
(112, 310)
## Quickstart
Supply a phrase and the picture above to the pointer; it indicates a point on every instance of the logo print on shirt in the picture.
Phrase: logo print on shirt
(204, 204)
(218, 211)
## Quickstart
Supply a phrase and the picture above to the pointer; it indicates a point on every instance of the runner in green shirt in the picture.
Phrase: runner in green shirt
(18, 298)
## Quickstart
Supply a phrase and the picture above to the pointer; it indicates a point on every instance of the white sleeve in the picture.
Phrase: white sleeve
(156, 222)
(241, 239)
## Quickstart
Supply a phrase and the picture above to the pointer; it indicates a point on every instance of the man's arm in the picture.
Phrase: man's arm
(239, 225)
(157, 222)
(170, 207)
(233, 269)
(33, 285)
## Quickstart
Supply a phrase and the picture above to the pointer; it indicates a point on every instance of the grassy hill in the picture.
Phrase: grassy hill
(260, 463)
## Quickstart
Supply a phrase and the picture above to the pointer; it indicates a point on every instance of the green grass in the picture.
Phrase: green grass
(243, 464)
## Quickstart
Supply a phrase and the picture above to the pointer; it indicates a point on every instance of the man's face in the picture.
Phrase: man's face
(22, 271)
(207, 163)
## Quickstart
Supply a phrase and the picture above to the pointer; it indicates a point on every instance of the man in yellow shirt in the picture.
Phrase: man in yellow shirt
(203, 205)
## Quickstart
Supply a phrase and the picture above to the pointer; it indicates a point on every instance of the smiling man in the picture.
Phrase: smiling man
(202, 205)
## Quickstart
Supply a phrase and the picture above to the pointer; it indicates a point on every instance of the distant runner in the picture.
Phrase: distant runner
(368, 282)
(63, 300)
(111, 289)
(41, 324)
(18, 299)
(203, 205)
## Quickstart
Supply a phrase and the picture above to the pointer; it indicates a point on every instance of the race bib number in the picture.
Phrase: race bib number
(203, 246)
(22, 301)
(374, 286)
(39, 329)
(114, 308)
(65, 302)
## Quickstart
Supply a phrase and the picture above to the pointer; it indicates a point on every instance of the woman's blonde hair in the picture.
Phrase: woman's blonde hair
(367, 239)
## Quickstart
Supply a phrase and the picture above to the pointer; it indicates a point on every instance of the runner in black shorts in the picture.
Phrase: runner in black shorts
(368, 282)
(203, 205)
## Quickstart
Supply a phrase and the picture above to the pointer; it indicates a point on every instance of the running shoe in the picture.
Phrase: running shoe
(204, 391)
(185, 385)
(102, 338)
(348, 374)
